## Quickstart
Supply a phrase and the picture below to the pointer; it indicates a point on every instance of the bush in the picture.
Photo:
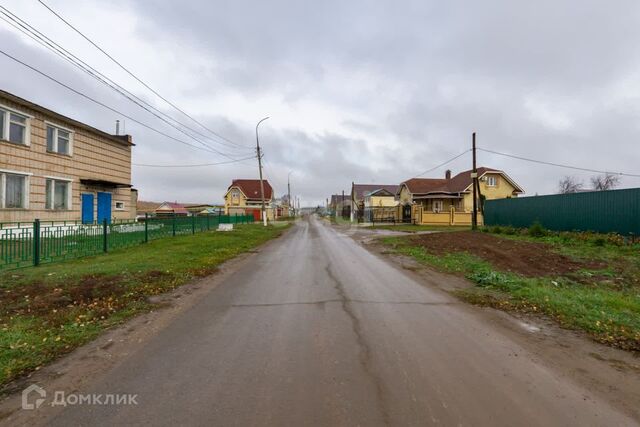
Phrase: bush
(599, 241)
(496, 229)
(485, 229)
(537, 230)
(510, 230)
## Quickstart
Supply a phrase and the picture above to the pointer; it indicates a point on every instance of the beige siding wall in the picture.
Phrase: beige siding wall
(93, 157)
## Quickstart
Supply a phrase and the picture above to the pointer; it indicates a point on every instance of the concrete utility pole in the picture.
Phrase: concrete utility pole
(264, 210)
(474, 176)
(289, 192)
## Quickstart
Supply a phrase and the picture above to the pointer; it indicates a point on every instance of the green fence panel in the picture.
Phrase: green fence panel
(32, 243)
(613, 211)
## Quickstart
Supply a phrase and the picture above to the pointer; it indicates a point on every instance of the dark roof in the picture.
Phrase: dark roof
(359, 190)
(456, 184)
(251, 188)
(120, 139)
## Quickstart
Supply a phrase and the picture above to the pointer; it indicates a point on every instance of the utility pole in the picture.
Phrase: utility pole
(474, 176)
(264, 210)
(289, 192)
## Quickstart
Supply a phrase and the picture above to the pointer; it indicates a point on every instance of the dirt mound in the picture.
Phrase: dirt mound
(526, 258)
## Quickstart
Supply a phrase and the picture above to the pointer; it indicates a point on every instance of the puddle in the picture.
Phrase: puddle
(529, 327)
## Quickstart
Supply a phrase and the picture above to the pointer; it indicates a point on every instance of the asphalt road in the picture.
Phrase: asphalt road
(315, 330)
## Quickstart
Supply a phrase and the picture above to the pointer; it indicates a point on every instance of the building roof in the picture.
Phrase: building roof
(251, 188)
(120, 139)
(176, 208)
(381, 192)
(146, 207)
(457, 184)
(359, 190)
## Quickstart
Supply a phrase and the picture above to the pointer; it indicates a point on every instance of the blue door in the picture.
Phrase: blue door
(87, 208)
(104, 207)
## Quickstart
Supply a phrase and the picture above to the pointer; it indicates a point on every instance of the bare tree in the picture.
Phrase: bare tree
(605, 182)
(569, 184)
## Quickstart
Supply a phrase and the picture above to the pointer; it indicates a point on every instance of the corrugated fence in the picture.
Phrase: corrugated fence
(616, 211)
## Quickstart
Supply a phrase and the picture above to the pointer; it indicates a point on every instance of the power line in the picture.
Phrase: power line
(132, 74)
(444, 163)
(192, 166)
(77, 92)
(559, 164)
(74, 60)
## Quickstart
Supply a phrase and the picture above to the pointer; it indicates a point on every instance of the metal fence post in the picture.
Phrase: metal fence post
(36, 242)
(193, 224)
(208, 221)
(174, 225)
(146, 227)
(105, 244)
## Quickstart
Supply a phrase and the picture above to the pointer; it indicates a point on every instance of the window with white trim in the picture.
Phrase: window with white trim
(438, 206)
(59, 140)
(119, 206)
(58, 194)
(14, 191)
(14, 127)
(492, 181)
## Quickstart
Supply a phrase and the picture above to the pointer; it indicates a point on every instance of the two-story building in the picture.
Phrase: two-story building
(450, 200)
(243, 197)
(55, 168)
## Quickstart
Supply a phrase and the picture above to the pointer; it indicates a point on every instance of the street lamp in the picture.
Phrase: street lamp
(264, 211)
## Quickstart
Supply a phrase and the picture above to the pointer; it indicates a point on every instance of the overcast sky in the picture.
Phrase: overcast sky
(364, 91)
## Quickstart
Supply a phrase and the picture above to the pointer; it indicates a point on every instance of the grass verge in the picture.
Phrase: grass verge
(49, 310)
(605, 303)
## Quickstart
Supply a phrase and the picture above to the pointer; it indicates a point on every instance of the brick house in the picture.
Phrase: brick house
(243, 198)
(55, 168)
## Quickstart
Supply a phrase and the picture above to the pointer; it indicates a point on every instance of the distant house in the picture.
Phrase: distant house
(243, 198)
(450, 200)
(146, 208)
(358, 192)
(195, 208)
(340, 205)
(53, 167)
(171, 209)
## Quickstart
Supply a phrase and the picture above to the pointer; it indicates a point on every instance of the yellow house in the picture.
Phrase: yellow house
(450, 200)
(380, 205)
(243, 198)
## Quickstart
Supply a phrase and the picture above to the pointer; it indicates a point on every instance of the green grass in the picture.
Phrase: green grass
(610, 313)
(49, 310)
(413, 228)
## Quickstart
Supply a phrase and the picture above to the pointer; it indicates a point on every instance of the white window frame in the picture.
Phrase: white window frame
(56, 128)
(4, 135)
(3, 185)
(69, 182)
(117, 208)
(438, 203)
(490, 179)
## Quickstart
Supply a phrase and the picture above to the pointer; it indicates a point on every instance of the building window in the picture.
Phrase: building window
(492, 181)
(14, 127)
(59, 140)
(438, 206)
(58, 194)
(119, 206)
(14, 191)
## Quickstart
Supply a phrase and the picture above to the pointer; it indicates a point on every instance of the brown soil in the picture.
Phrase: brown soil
(525, 258)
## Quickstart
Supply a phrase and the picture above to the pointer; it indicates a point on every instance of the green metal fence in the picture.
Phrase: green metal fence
(28, 244)
(613, 211)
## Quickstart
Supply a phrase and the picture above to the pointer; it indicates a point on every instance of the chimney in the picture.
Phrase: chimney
(117, 127)
(447, 174)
